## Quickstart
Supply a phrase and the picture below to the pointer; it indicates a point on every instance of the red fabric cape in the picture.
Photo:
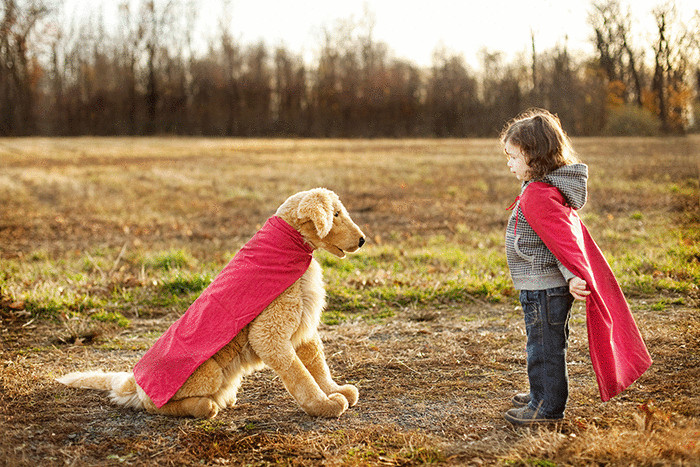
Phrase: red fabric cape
(618, 353)
(266, 266)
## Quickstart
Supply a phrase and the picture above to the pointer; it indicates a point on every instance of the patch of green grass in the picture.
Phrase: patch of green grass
(186, 284)
(347, 265)
(425, 260)
(167, 260)
(428, 272)
(668, 261)
(346, 300)
(333, 317)
(210, 425)
(159, 301)
(379, 315)
(111, 317)
(50, 306)
(38, 255)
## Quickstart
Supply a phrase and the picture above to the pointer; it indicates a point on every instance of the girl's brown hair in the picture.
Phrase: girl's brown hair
(542, 140)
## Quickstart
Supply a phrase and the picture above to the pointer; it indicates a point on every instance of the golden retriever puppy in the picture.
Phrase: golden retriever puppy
(175, 378)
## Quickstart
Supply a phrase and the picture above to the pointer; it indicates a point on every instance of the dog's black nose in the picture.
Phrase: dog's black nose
(362, 241)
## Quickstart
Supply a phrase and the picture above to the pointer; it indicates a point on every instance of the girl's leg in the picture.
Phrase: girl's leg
(546, 322)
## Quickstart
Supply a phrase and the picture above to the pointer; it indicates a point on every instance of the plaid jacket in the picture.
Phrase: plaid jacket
(532, 266)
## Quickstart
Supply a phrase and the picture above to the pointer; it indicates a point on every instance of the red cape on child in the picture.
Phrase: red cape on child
(266, 266)
(618, 353)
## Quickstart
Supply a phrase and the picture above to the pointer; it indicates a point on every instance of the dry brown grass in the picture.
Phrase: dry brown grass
(86, 219)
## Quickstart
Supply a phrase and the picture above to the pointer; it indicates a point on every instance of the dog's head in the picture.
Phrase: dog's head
(323, 221)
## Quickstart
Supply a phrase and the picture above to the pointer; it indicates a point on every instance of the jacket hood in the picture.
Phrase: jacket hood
(571, 180)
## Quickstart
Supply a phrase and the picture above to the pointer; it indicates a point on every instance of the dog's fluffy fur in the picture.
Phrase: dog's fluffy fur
(284, 336)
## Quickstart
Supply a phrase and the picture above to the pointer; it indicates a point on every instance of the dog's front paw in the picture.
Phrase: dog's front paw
(338, 405)
(332, 407)
(350, 392)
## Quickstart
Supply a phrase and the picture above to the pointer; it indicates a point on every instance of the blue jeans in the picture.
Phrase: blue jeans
(547, 324)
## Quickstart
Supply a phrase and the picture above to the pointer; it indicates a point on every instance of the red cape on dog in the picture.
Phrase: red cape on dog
(266, 266)
(618, 353)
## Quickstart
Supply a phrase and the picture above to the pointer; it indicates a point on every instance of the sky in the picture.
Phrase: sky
(414, 28)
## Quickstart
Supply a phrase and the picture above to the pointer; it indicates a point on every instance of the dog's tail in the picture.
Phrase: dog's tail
(121, 386)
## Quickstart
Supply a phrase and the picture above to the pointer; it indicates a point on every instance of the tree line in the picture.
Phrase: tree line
(145, 77)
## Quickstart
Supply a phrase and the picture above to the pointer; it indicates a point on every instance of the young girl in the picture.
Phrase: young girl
(553, 260)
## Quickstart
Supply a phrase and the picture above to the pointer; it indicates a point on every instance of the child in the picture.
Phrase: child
(553, 260)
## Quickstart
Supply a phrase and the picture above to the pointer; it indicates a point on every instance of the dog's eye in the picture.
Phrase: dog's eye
(337, 213)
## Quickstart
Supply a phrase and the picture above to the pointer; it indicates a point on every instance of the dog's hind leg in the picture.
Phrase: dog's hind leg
(312, 356)
(235, 360)
(194, 398)
(199, 407)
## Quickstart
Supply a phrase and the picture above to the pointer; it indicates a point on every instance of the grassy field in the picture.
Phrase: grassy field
(105, 242)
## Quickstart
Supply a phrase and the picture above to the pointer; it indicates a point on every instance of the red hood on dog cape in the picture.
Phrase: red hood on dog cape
(618, 353)
(266, 266)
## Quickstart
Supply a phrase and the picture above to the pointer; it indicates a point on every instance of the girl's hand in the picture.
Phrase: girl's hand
(577, 287)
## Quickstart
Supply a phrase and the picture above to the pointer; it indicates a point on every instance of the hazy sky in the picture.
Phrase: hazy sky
(414, 28)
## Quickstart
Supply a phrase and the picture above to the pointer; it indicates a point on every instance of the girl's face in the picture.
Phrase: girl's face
(516, 162)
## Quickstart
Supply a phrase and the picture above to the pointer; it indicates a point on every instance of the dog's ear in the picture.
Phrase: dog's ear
(317, 206)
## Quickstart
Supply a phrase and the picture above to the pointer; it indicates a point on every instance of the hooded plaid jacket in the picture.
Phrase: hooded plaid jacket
(532, 266)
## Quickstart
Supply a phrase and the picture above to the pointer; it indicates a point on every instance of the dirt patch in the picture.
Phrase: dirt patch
(431, 390)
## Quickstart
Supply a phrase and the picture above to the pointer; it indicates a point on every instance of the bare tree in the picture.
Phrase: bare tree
(328, 89)
(694, 57)
(672, 62)
(256, 95)
(501, 90)
(661, 64)
(19, 69)
(289, 94)
(452, 95)
(616, 54)
(535, 82)
(231, 63)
